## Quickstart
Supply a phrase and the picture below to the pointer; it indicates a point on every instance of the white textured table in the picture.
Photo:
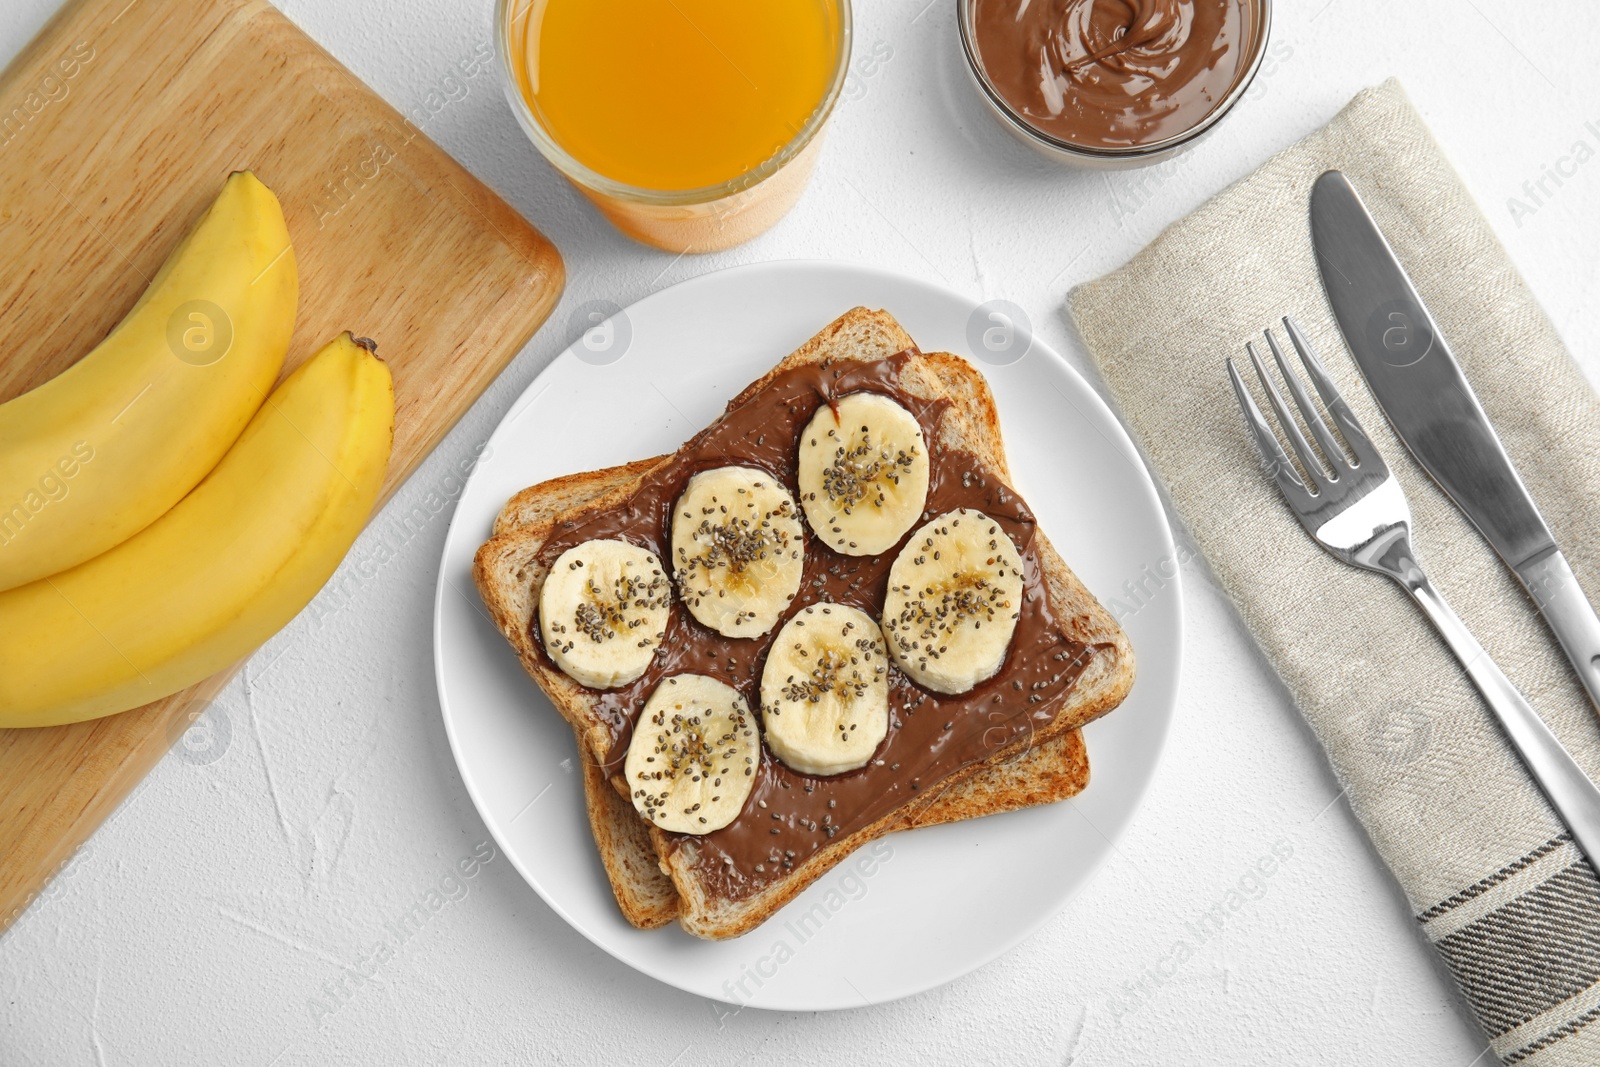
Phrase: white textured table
(227, 911)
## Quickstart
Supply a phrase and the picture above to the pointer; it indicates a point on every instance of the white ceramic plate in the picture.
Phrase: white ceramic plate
(878, 926)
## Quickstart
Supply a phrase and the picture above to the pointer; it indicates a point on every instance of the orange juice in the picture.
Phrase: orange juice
(674, 95)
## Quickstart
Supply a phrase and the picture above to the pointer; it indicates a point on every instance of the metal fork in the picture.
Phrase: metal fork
(1358, 512)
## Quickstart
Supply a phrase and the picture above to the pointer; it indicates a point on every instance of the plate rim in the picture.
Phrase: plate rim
(1169, 706)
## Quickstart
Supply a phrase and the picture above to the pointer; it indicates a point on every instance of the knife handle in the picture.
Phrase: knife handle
(1572, 619)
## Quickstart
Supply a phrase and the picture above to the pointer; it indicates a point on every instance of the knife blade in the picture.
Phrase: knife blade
(1419, 385)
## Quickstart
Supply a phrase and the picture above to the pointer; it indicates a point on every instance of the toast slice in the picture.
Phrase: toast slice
(509, 577)
(1054, 770)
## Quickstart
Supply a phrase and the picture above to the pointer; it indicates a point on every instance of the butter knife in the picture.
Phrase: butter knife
(1420, 387)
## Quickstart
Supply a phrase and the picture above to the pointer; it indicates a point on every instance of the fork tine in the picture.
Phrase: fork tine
(1332, 451)
(1291, 429)
(1367, 455)
(1272, 453)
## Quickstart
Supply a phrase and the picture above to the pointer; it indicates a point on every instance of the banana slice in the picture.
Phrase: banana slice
(863, 473)
(692, 761)
(825, 690)
(955, 592)
(738, 548)
(603, 611)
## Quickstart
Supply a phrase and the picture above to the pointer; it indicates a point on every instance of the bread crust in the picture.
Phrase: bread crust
(1050, 764)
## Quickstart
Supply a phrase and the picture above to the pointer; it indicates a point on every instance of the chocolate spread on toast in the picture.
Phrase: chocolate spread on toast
(789, 815)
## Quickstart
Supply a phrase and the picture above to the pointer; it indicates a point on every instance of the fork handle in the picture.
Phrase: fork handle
(1574, 797)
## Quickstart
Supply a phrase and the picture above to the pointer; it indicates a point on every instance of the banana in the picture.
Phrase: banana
(955, 592)
(97, 453)
(739, 550)
(825, 690)
(692, 760)
(223, 570)
(603, 611)
(863, 473)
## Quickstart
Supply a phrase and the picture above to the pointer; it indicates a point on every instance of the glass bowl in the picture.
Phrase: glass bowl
(1108, 158)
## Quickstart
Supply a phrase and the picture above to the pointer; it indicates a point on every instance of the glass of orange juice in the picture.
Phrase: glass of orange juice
(691, 124)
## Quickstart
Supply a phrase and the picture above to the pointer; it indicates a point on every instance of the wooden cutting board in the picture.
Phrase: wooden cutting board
(118, 125)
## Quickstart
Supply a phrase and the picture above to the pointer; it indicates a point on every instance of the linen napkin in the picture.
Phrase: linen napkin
(1490, 872)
